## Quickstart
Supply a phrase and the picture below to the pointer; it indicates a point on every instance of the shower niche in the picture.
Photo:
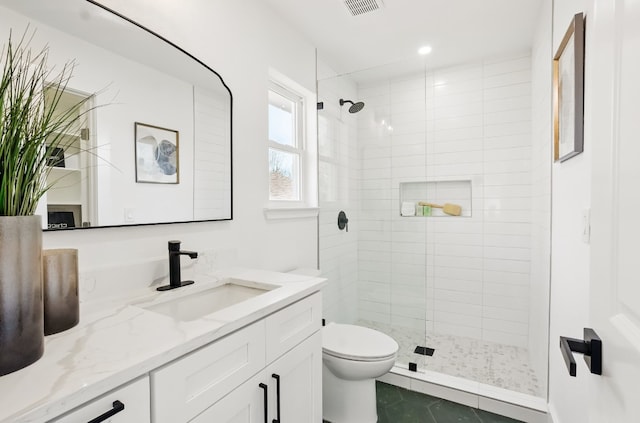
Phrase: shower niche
(453, 195)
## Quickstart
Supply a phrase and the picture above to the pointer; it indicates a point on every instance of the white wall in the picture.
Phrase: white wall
(470, 122)
(570, 256)
(541, 159)
(240, 40)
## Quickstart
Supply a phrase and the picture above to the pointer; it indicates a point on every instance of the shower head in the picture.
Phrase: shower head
(355, 107)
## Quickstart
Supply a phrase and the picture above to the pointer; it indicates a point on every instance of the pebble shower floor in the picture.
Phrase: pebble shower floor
(499, 365)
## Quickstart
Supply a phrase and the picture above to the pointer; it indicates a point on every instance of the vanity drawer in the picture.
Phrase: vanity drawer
(186, 387)
(288, 327)
(133, 396)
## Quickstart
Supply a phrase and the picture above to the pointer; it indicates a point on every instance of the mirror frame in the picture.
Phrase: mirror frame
(200, 62)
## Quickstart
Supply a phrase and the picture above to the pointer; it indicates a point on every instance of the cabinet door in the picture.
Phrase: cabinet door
(245, 404)
(299, 374)
(293, 324)
(184, 388)
(129, 403)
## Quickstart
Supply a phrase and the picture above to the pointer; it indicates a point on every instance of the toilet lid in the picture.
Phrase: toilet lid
(357, 343)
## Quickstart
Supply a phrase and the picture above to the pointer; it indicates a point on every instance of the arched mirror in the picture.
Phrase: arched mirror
(156, 145)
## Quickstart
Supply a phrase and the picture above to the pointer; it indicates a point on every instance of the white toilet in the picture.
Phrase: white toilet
(352, 358)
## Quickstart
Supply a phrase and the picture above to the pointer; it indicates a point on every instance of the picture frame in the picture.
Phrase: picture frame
(568, 93)
(156, 154)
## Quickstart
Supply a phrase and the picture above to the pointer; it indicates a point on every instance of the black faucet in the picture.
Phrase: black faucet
(174, 266)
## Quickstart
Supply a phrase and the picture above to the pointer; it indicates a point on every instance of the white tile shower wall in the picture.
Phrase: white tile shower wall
(470, 275)
(339, 190)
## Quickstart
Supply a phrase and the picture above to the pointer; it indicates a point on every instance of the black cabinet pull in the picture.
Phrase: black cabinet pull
(277, 378)
(591, 347)
(117, 407)
(266, 402)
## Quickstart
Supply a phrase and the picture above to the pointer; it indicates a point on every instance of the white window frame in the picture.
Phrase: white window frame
(306, 147)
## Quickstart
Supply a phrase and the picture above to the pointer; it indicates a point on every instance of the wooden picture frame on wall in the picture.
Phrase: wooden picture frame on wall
(568, 93)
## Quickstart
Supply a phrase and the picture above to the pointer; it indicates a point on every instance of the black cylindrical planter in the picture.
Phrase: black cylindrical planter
(21, 305)
(60, 284)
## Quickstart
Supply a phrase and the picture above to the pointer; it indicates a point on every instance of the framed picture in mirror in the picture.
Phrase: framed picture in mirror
(157, 154)
(568, 93)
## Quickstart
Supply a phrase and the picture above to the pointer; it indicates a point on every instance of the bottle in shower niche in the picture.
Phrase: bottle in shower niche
(60, 286)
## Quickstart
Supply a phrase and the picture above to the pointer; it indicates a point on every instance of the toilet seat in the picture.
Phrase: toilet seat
(357, 343)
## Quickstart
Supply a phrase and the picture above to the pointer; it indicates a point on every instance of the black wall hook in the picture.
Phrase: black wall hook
(343, 222)
(591, 347)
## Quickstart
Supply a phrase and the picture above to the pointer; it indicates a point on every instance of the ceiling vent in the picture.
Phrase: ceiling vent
(360, 7)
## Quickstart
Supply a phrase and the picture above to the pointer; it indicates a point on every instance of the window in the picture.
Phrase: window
(286, 145)
(292, 149)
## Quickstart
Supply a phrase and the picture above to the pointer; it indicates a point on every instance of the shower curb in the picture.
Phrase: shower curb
(515, 405)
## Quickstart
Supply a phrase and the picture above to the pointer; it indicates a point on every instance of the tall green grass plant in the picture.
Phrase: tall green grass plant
(31, 124)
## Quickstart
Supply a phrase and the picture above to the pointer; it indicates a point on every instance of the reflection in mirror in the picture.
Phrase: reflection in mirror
(133, 77)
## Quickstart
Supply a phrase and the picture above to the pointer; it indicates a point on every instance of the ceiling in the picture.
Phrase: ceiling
(457, 30)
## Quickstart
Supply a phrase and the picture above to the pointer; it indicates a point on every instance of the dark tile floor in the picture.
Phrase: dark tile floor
(397, 405)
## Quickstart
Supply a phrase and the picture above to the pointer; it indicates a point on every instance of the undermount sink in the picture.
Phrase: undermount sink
(202, 303)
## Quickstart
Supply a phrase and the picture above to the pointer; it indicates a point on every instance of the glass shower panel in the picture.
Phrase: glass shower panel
(338, 191)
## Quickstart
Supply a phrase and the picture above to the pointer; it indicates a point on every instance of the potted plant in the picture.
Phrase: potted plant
(32, 125)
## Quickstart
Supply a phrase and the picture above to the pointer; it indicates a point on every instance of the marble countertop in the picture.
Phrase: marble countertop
(117, 340)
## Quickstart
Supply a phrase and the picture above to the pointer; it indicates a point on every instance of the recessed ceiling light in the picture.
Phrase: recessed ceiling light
(424, 50)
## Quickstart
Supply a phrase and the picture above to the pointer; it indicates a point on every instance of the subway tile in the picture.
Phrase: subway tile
(409, 258)
(452, 261)
(459, 73)
(458, 239)
(498, 204)
(508, 79)
(507, 117)
(464, 285)
(458, 273)
(507, 91)
(506, 129)
(508, 104)
(506, 326)
(515, 266)
(458, 134)
(507, 228)
(464, 109)
(471, 320)
(507, 166)
(456, 146)
(408, 279)
(374, 316)
(507, 191)
(378, 307)
(508, 314)
(503, 66)
(458, 296)
(458, 122)
(507, 253)
(506, 277)
(399, 309)
(375, 266)
(408, 269)
(407, 322)
(514, 140)
(515, 241)
(457, 330)
(459, 157)
(365, 275)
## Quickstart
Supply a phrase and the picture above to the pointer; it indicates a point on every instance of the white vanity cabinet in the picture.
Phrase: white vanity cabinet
(126, 404)
(299, 394)
(226, 381)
